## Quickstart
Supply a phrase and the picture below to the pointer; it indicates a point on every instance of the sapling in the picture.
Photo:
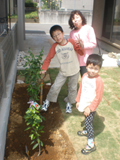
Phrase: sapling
(33, 120)
(31, 72)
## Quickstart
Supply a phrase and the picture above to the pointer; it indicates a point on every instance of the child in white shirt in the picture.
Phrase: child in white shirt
(88, 98)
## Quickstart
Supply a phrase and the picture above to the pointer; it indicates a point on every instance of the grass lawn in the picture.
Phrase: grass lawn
(106, 122)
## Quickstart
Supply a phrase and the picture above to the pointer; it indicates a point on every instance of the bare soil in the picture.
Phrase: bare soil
(57, 145)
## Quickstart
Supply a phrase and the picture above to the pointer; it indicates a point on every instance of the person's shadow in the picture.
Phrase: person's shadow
(98, 124)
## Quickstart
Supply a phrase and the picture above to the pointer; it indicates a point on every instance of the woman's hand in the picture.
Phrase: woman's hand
(79, 41)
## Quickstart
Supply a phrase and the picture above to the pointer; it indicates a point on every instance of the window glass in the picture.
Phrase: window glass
(116, 24)
(107, 22)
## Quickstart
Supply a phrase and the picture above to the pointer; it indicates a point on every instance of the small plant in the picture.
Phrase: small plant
(35, 19)
(31, 15)
(33, 119)
(32, 77)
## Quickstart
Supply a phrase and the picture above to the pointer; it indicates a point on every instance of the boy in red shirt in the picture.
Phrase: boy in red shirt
(88, 98)
(65, 50)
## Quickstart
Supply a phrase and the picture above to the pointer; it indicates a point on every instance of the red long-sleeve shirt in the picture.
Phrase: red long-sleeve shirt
(67, 57)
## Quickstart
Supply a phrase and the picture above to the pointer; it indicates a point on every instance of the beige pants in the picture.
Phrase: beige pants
(57, 85)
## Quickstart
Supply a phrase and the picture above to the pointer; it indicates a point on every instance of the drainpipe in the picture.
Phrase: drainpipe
(21, 24)
(9, 17)
(6, 16)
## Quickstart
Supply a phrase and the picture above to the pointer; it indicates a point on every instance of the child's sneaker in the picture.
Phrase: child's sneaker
(68, 108)
(88, 149)
(82, 133)
(45, 105)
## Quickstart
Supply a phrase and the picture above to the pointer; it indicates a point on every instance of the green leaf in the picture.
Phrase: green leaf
(33, 125)
(41, 143)
(27, 128)
(33, 141)
(35, 146)
(40, 127)
(38, 140)
(32, 136)
(28, 123)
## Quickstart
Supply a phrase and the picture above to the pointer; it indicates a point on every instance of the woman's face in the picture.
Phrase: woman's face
(77, 21)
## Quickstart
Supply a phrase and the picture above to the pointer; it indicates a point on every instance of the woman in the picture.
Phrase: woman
(84, 35)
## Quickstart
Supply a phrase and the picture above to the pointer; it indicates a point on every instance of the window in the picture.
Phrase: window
(116, 22)
(107, 22)
(111, 22)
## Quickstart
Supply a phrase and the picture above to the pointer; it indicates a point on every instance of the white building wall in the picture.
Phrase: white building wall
(60, 17)
(78, 4)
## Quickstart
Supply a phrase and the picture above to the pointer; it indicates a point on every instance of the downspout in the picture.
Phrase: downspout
(6, 14)
(9, 17)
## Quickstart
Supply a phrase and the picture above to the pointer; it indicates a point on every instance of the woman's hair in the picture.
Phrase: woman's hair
(94, 59)
(54, 28)
(72, 16)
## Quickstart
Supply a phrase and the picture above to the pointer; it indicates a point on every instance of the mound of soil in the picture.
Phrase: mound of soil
(57, 145)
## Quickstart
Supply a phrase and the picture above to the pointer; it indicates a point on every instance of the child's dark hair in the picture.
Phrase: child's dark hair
(72, 16)
(54, 28)
(94, 59)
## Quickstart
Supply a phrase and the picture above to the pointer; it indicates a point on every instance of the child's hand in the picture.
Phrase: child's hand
(42, 72)
(87, 111)
(77, 105)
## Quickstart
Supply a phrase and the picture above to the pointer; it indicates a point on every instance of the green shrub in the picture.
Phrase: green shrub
(31, 15)
(29, 3)
(14, 16)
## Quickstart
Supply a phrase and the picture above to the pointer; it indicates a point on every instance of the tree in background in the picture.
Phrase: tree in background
(30, 3)
(51, 4)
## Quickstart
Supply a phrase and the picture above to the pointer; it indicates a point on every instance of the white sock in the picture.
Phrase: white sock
(91, 142)
(69, 104)
(47, 101)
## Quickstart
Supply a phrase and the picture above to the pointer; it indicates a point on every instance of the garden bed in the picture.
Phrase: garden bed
(57, 145)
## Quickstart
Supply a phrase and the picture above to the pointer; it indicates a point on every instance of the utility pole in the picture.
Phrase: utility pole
(39, 6)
